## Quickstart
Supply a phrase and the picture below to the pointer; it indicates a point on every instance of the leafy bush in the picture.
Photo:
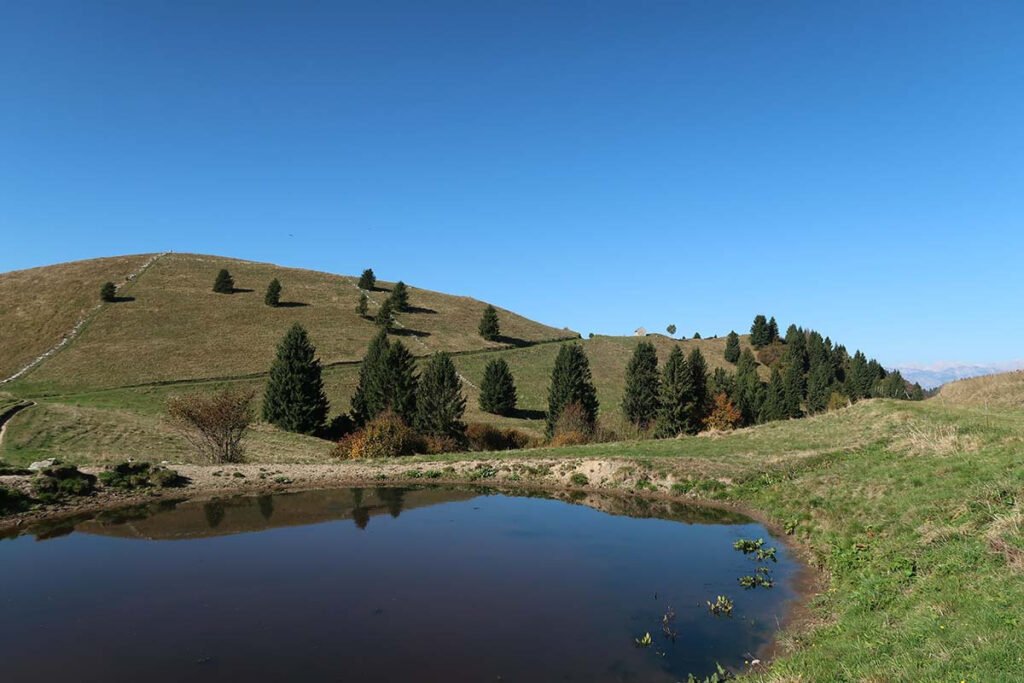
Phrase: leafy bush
(12, 500)
(435, 445)
(574, 419)
(385, 436)
(138, 475)
(570, 438)
(837, 400)
(770, 355)
(485, 437)
(61, 481)
(215, 424)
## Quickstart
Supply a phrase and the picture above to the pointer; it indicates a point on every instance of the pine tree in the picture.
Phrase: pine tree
(793, 389)
(490, 329)
(773, 331)
(819, 387)
(400, 382)
(273, 295)
(774, 407)
(696, 335)
(721, 382)
(498, 389)
(367, 281)
(368, 399)
(571, 382)
(108, 292)
(385, 318)
(640, 402)
(224, 284)
(701, 400)
(399, 297)
(440, 404)
(732, 347)
(759, 332)
(294, 398)
(363, 307)
(676, 402)
(749, 392)
(858, 377)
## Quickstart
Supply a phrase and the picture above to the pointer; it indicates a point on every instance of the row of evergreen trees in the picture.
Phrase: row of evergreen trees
(674, 399)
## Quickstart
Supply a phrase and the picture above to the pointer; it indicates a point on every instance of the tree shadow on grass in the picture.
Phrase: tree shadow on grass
(120, 299)
(525, 414)
(240, 290)
(419, 309)
(513, 341)
(406, 332)
(291, 304)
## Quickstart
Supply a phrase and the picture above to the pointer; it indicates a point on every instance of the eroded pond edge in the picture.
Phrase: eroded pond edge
(209, 482)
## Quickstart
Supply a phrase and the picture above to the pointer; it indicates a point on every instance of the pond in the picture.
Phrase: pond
(387, 584)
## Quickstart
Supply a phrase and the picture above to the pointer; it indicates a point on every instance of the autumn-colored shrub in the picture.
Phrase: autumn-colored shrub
(485, 437)
(724, 415)
(385, 436)
(435, 445)
(837, 400)
(570, 438)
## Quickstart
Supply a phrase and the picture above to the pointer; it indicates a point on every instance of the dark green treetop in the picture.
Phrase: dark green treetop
(294, 399)
(640, 400)
(498, 389)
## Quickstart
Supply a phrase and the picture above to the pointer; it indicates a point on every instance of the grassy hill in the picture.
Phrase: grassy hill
(101, 397)
(1004, 390)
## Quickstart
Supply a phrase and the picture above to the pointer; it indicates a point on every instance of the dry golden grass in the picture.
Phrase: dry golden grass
(1005, 390)
(178, 328)
(39, 306)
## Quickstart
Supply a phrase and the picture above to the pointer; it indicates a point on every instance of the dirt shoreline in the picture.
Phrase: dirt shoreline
(605, 477)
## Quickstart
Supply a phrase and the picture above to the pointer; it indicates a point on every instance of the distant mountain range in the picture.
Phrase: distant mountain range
(937, 374)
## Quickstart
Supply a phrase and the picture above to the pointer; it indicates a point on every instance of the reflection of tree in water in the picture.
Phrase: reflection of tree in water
(266, 504)
(214, 511)
(392, 499)
(360, 515)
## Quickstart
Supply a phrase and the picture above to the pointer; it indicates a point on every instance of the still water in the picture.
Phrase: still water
(386, 584)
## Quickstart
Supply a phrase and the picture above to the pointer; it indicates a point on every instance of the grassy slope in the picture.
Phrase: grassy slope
(177, 328)
(992, 391)
(40, 305)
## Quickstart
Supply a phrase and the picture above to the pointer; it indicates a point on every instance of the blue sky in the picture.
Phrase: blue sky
(854, 167)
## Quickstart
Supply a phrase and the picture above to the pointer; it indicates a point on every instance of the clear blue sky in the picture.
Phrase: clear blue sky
(857, 167)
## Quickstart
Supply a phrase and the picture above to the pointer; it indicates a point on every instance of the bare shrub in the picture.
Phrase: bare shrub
(215, 424)
(724, 416)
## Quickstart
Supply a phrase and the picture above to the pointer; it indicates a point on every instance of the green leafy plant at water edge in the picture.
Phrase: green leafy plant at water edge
(719, 676)
(138, 475)
(643, 641)
(721, 606)
(62, 481)
(755, 581)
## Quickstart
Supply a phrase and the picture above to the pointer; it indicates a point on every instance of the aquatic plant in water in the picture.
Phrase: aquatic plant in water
(643, 641)
(721, 605)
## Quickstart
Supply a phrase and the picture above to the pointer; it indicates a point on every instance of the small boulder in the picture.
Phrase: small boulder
(43, 464)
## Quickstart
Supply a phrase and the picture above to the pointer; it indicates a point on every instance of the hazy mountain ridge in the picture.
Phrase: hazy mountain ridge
(937, 374)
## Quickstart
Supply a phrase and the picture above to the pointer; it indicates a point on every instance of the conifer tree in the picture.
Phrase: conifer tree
(721, 382)
(363, 307)
(367, 281)
(640, 401)
(571, 382)
(819, 387)
(385, 318)
(759, 332)
(273, 295)
(696, 335)
(399, 297)
(294, 398)
(793, 389)
(108, 292)
(701, 400)
(224, 284)
(774, 406)
(490, 329)
(400, 382)
(498, 389)
(440, 404)
(773, 331)
(749, 392)
(858, 377)
(732, 347)
(676, 402)
(368, 400)
(671, 329)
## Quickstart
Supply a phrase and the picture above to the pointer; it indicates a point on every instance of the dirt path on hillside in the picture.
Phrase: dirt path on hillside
(67, 338)
(11, 412)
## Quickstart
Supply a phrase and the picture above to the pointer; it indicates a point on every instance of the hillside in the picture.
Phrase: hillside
(175, 327)
(1005, 390)
(39, 306)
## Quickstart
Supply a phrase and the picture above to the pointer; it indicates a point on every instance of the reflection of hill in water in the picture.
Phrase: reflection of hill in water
(180, 520)
(240, 514)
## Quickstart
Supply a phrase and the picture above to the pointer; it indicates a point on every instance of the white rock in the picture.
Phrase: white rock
(42, 464)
